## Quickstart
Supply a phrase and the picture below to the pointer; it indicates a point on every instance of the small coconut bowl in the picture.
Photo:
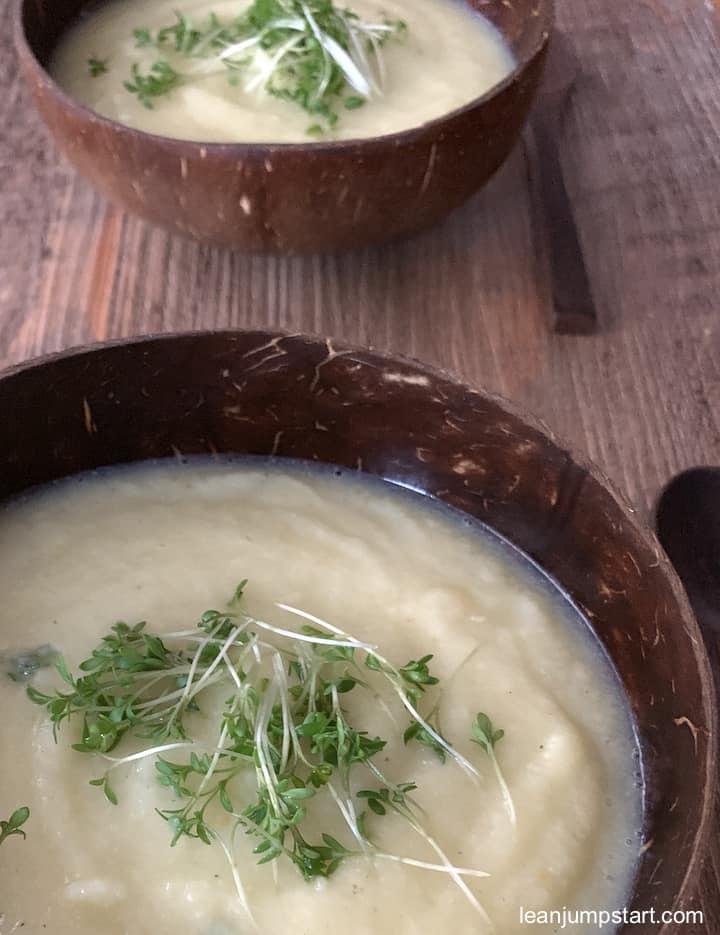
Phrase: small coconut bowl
(294, 396)
(291, 198)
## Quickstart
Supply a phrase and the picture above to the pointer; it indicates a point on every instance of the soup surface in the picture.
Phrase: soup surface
(163, 543)
(445, 57)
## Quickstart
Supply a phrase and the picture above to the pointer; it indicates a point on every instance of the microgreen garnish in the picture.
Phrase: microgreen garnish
(418, 733)
(161, 79)
(484, 734)
(487, 736)
(417, 676)
(143, 37)
(283, 722)
(104, 783)
(97, 66)
(181, 35)
(14, 823)
(309, 52)
(111, 689)
(354, 101)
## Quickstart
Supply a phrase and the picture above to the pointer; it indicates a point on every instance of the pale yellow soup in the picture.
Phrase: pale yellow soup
(163, 543)
(448, 56)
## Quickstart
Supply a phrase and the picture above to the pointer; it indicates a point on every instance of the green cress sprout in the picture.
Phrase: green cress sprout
(97, 66)
(159, 80)
(322, 57)
(487, 736)
(283, 721)
(14, 823)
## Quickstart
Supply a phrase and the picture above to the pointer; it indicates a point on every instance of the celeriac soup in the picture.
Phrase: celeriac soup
(261, 696)
(279, 71)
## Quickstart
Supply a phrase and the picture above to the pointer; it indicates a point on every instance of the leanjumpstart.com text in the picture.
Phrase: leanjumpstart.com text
(600, 918)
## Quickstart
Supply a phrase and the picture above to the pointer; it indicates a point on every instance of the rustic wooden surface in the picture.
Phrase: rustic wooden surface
(641, 154)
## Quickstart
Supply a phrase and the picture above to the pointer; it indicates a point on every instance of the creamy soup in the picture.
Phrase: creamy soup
(550, 810)
(435, 56)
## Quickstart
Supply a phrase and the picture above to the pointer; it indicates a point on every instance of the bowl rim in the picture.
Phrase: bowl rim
(397, 139)
(686, 892)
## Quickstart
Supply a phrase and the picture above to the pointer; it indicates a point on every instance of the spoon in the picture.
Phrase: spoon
(688, 526)
(555, 231)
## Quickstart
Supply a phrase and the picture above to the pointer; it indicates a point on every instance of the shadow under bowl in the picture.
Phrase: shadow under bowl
(291, 198)
(294, 396)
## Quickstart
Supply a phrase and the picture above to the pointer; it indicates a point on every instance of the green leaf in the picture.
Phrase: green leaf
(224, 798)
(334, 844)
(142, 37)
(238, 593)
(341, 685)
(422, 736)
(338, 654)
(321, 775)
(203, 832)
(97, 66)
(313, 724)
(62, 668)
(416, 673)
(14, 823)
(293, 795)
(18, 818)
(107, 789)
(38, 697)
(485, 734)
(160, 80)
(309, 630)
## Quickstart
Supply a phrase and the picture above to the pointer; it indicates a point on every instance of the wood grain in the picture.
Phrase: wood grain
(641, 157)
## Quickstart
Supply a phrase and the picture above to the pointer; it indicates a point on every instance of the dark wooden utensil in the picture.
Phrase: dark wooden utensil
(556, 235)
(688, 525)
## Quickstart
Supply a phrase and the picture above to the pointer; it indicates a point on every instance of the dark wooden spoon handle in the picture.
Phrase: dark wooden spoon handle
(556, 234)
(688, 526)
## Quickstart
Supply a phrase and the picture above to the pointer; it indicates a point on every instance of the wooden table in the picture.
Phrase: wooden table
(641, 153)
